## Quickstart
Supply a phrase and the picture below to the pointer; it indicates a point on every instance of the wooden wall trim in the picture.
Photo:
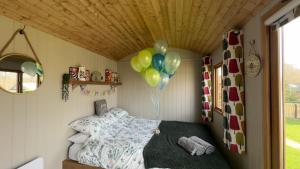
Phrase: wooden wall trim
(275, 102)
(265, 33)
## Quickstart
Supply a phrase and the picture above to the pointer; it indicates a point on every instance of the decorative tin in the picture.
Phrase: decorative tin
(81, 73)
(108, 75)
(87, 75)
(73, 72)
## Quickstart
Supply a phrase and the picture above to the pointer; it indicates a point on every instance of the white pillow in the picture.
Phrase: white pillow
(89, 125)
(73, 151)
(92, 125)
(117, 112)
(79, 138)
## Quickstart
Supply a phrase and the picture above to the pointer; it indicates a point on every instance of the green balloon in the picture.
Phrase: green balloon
(145, 58)
(152, 77)
(172, 62)
(135, 64)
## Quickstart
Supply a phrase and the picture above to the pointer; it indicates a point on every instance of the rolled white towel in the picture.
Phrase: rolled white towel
(191, 146)
(200, 149)
(207, 146)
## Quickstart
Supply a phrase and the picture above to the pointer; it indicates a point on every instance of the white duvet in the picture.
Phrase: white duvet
(123, 144)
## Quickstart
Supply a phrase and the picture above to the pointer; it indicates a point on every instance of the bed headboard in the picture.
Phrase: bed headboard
(100, 107)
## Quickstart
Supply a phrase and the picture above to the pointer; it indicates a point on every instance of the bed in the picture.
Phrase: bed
(130, 143)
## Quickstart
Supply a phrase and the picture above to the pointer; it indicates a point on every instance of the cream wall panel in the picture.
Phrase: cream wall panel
(179, 101)
(35, 124)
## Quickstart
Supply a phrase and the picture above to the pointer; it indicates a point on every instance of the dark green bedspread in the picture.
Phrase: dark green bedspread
(162, 151)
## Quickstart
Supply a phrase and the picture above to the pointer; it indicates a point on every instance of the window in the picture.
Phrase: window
(9, 81)
(218, 87)
(29, 83)
(18, 82)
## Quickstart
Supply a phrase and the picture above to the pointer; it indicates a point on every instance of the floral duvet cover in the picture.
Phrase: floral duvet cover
(123, 144)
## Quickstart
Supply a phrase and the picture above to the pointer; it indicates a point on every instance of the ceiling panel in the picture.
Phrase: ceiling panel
(117, 28)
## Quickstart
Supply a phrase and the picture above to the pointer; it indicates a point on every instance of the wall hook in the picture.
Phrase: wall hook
(22, 29)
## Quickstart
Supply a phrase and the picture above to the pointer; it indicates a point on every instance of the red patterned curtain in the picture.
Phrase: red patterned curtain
(234, 92)
(206, 90)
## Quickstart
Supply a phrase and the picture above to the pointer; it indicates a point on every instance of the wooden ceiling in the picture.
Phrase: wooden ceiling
(117, 28)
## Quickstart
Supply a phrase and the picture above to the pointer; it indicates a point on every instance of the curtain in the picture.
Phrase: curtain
(233, 92)
(206, 89)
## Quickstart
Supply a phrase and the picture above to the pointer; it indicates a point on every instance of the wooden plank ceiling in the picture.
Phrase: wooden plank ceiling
(117, 28)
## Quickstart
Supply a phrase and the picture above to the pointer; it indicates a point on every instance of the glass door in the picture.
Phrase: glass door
(290, 50)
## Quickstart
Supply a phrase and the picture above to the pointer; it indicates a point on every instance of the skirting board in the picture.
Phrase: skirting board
(70, 164)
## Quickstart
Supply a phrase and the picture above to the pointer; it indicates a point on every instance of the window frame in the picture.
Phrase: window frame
(272, 151)
(216, 67)
(20, 79)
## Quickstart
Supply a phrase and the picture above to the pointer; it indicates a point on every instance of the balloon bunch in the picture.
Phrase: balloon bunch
(156, 65)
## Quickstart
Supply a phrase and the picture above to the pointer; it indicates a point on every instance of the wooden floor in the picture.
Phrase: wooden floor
(70, 164)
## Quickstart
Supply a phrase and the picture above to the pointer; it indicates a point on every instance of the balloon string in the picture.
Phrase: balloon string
(155, 99)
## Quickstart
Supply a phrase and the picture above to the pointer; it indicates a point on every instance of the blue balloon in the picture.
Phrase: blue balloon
(158, 61)
(164, 80)
(170, 75)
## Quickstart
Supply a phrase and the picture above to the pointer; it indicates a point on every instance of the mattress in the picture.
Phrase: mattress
(73, 151)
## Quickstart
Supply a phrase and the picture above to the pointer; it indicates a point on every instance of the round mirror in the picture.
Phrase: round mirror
(20, 73)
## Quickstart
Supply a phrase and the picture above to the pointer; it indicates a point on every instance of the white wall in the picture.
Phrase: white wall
(35, 124)
(179, 101)
(254, 104)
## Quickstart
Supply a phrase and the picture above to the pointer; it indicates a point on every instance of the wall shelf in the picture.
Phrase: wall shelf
(75, 83)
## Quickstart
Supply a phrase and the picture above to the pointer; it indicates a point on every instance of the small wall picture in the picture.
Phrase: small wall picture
(81, 73)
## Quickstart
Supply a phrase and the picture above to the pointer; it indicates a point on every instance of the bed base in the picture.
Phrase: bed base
(70, 164)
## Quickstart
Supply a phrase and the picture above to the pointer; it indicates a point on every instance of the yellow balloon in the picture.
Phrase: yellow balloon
(152, 77)
(135, 64)
(145, 58)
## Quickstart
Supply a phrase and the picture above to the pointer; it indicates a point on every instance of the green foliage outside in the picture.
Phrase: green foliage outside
(291, 84)
(292, 158)
(292, 128)
(290, 94)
